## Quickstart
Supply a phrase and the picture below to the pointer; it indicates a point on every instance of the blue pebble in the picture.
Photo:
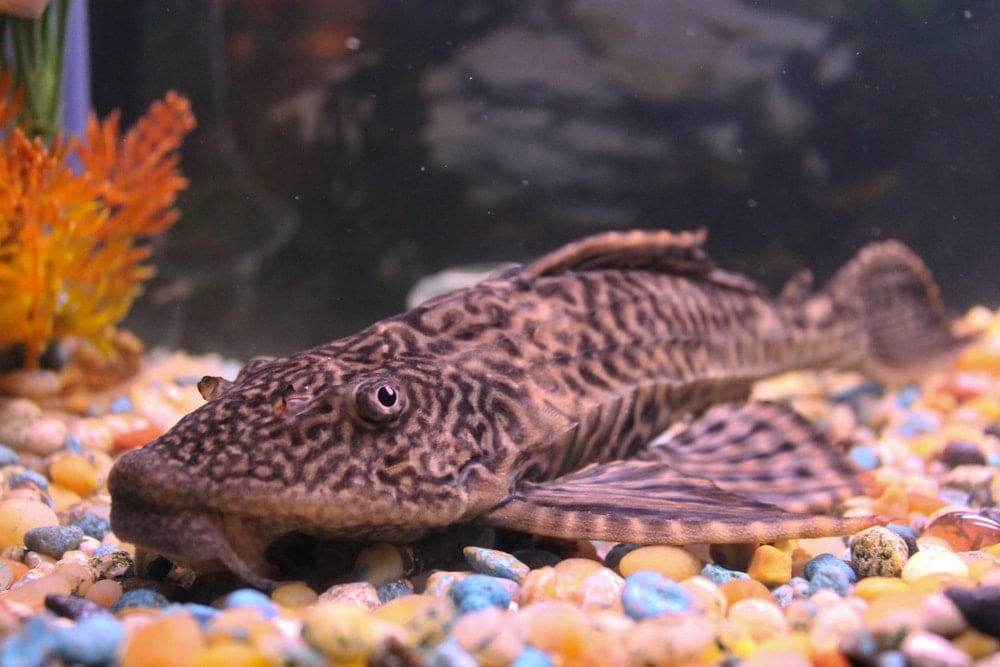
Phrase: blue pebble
(833, 579)
(532, 657)
(72, 444)
(783, 595)
(248, 597)
(907, 396)
(993, 459)
(201, 612)
(917, 424)
(104, 549)
(139, 597)
(864, 457)
(449, 654)
(94, 525)
(393, 590)
(28, 476)
(648, 593)
(800, 586)
(53, 541)
(121, 405)
(720, 575)
(8, 457)
(826, 562)
(32, 646)
(496, 563)
(92, 641)
(480, 591)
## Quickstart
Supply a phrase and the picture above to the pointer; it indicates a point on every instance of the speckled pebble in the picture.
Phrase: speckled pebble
(394, 589)
(53, 541)
(649, 594)
(496, 563)
(360, 594)
(112, 564)
(480, 591)
(341, 632)
(140, 597)
(878, 552)
(721, 575)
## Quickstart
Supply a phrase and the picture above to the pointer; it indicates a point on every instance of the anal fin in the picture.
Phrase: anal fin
(765, 451)
(649, 502)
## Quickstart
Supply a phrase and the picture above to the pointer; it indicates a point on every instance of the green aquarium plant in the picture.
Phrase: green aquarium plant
(77, 214)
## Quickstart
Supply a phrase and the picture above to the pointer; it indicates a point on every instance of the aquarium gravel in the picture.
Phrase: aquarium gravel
(922, 591)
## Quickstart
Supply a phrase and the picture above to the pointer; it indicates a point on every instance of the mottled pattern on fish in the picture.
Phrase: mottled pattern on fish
(490, 403)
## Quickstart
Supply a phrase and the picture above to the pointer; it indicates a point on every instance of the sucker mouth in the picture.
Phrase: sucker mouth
(194, 539)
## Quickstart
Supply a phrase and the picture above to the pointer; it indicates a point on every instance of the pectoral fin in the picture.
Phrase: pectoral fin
(649, 502)
(765, 451)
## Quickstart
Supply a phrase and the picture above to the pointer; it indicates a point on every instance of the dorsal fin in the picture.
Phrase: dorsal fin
(661, 251)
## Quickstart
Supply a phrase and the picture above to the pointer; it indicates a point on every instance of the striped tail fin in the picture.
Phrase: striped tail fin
(906, 331)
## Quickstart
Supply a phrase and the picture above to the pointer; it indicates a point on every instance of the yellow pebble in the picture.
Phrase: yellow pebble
(871, 588)
(295, 594)
(760, 618)
(63, 498)
(423, 618)
(488, 637)
(980, 569)
(168, 641)
(770, 566)
(74, 473)
(933, 562)
(341, 632)
(230, 654)
(976, 644)
(19, 515)
(558, 628)
(672, 562)
(739, 589)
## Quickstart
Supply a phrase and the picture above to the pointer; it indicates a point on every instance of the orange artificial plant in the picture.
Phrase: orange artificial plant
(76, 220)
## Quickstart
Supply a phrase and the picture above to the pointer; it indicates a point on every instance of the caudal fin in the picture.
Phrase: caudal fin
(906, 330)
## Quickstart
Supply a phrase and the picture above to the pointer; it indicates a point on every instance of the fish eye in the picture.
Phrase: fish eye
(380, 400)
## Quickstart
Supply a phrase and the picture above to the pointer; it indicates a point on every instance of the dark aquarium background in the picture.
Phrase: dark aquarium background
(346, 148)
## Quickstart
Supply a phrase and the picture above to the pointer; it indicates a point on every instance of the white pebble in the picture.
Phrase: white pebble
(926, 649)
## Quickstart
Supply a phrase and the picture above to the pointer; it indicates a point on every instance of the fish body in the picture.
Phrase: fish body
(527, 402)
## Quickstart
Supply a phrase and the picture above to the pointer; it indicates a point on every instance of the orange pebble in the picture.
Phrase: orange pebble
(169, 641)
(74, 473)
(136, 438)
(923, 503)
(741, 589)
(16, 567)
(892, 503)
(104, 592)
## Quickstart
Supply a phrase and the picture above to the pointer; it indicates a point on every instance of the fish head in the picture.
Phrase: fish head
(310, 444)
